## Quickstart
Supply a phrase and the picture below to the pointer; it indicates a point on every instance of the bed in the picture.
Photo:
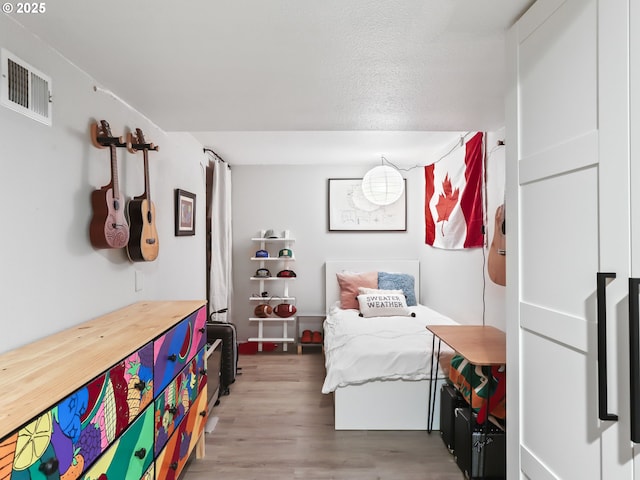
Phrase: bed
(379, 368)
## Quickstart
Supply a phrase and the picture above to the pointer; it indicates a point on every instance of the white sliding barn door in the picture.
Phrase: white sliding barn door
(571, 144)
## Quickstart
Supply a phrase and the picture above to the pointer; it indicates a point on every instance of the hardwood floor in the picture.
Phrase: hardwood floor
(276, 424)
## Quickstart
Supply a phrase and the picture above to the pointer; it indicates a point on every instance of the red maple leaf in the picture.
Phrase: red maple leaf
(446, 202)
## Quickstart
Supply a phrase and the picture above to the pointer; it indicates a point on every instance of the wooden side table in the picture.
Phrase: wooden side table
(481, 345)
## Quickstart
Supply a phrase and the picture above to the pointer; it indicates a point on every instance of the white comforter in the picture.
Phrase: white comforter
(358, 350)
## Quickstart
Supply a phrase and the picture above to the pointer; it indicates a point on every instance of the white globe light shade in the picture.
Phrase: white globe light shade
(382, 185)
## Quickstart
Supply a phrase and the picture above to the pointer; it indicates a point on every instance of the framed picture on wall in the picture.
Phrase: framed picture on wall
(185, 221)
(349, 210)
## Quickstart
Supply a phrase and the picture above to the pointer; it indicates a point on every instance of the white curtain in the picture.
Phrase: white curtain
(220, 290)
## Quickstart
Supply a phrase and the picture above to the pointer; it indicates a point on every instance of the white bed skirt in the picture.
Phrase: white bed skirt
(386, 405)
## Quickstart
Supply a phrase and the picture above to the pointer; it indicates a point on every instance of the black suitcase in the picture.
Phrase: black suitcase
(226, 332)
(450, 399)
(479, 454)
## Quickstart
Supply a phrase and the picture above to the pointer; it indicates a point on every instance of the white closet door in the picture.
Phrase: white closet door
(571, 147)
(634, 192)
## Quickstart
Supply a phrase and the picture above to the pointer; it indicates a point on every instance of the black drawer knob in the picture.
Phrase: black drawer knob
(49, 467)
(141, 453)
(173, 466)
(203, 413)
(173, 357)
(173, 410)
(203, 371)
(140, 385)
(202, 330)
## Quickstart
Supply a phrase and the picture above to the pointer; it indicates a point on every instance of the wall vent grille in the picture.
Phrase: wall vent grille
(24, 89)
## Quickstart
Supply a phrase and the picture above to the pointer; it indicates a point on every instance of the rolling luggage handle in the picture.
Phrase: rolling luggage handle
(634, 357)
(229, 366)
(213, 314)
(601, 299)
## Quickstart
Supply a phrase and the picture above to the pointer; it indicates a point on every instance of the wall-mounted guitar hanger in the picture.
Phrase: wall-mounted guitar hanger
(136, 147)
(101, 139)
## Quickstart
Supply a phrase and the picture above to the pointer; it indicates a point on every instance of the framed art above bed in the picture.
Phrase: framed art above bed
(349, 210)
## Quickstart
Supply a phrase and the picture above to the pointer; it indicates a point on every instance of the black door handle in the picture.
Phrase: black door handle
(601, 299)
(634, 357)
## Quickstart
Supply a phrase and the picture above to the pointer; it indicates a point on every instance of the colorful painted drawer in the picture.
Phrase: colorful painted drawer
(174, 349)
(174, 402)
(70, 436)
(130, 456)
(172, 459)
(88, 409)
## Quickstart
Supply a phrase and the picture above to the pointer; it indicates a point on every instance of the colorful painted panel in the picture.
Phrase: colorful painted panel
(199, 331)
(28, 450)
(174, 349)
(79, 428)
(150, 474)
(172, 405)
(7, 454)
(173, 458)
(130, 456)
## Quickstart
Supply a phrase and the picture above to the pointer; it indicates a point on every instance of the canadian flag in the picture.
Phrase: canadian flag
(453, 198)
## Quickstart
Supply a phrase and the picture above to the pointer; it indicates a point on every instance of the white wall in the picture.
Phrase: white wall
(295, 198)
(51, 277)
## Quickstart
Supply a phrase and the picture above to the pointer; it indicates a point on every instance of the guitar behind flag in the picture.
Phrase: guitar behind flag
(453, 198)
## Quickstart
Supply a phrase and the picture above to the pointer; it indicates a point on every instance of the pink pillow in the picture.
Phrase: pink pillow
(350, 282)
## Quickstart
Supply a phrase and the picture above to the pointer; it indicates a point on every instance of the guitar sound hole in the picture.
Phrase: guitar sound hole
(151, 241)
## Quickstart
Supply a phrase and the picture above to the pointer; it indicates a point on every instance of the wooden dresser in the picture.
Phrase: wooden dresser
(122, 396)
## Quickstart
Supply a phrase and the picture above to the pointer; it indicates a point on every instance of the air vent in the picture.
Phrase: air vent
(25, 89)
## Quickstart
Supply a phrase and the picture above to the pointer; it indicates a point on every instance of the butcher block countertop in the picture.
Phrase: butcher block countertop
(33, 378)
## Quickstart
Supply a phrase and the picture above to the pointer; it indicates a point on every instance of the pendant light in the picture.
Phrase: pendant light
(382, 185)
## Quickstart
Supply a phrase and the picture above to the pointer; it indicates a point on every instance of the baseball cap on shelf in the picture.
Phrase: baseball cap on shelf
(285, 253)
(262, 254)
(263, 272)
(286, 273)
(271, 234)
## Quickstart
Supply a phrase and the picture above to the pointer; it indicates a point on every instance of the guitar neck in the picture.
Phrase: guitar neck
(147, 188)
(114, 172)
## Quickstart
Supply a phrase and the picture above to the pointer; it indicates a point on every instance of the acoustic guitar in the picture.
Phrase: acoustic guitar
(108, 227)
(143, 244)
(497, 265)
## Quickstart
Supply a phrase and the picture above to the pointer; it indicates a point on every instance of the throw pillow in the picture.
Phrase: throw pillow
(362, 290)
(383, 305)
(399, 281)
(350, 282)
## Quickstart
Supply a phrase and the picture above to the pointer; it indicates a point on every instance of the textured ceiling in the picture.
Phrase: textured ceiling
(293, 65)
